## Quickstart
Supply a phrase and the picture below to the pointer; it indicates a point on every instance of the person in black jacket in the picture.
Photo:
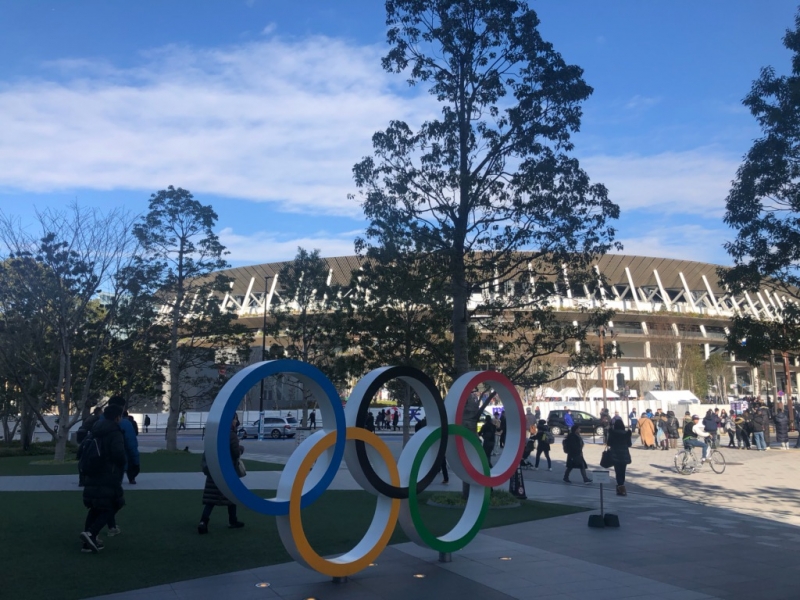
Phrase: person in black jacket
(782, 427)
(543, 447)
(212, 495)
(488, 434)
(102, 492)
(619, 440)
(573, 444)
(673, 429)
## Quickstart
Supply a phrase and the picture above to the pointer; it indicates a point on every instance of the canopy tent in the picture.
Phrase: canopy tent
(596, 393)
(547, 392)
(672, 397)
(570, 393)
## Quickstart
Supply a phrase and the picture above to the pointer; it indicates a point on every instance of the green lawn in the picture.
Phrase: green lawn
(41, 558)
(152, 462)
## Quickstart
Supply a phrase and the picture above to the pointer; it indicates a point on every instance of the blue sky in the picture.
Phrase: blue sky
(261, 108)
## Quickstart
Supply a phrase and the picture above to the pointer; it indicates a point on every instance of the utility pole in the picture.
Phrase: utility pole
(263, 358)
(788, 386)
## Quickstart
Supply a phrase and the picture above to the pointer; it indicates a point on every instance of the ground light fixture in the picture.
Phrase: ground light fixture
(262, 584)
(505, 558)
(419, 576)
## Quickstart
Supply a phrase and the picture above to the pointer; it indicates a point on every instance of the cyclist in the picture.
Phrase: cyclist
(694, 435)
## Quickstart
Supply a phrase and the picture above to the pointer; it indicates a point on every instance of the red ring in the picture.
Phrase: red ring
(478, 477)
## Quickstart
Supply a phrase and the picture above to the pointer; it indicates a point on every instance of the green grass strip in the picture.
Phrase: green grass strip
(41, 558)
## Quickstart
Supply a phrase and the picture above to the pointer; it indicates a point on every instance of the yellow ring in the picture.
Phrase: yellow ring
(344, 565)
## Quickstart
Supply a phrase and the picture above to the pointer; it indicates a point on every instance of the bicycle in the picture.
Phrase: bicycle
(686, 462)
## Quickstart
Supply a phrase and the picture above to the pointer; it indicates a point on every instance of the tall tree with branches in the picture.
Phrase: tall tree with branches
(492, 175)
(181, 253)
(49, 299)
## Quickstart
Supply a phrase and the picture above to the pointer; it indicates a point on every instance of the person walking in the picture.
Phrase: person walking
(568, 421)
(673, 429)
(502, 429)
(395, 418)
(146, 423)
(633, 419)
(711, 424)
(605, 423)
(488, 435)
(369, 422)
(182, 420)
(619, 442)
(312, 419)
(102, 492)
(573, 445)
(662, 436)
(759, 424)
(647, 432)
(742, 438)
(728, 426)
(212, 495)
(782, 427)
(543, 436)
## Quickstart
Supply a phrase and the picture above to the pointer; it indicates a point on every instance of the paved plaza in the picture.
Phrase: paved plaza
(701, 536)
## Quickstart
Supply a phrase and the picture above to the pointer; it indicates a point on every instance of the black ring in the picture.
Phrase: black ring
(379, 484)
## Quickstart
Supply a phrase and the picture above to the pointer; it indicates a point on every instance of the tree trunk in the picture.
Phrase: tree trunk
(63, 433)
(174, 405)
(460, 328)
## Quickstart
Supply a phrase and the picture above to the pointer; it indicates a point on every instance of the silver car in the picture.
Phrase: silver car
(274, 427)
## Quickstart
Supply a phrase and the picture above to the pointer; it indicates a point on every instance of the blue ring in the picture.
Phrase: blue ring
(217, 447)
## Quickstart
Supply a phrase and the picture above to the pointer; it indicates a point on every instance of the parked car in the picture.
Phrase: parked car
(274, 427)
(589, 423)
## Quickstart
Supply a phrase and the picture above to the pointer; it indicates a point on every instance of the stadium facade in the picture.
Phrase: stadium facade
(662, 307)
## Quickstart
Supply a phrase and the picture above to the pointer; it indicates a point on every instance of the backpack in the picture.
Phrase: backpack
(90, 456)
(564, 446)
(551, 439)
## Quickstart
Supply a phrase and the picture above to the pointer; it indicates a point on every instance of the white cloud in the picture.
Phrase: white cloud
(270, 28)
(270, 121)
(686, 242)
(265, 247)
(691, 182)
(641, 102)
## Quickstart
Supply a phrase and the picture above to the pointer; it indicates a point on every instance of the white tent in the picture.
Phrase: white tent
(596, 393)
(672, 397)
(547, 392)
(570, 393)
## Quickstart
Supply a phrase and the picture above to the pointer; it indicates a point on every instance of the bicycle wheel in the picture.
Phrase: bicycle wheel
(717, 461)
(685, 463)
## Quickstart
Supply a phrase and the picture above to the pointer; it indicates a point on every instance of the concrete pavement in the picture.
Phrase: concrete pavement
(701, 536)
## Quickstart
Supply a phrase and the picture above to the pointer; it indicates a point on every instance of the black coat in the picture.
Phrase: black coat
(672, 427)
(104, 490)
(781, 427)
(619, 440)
(573, 444)
(211, 493)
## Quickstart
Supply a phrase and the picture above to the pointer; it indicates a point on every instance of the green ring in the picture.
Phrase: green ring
(442, 544)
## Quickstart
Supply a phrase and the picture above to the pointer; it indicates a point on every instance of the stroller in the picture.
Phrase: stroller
(525, 463)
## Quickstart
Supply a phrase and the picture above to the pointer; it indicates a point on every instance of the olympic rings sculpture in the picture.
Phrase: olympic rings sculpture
(313, 465)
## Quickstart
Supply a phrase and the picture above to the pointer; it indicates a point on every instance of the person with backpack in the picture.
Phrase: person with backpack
(102, 461)
(545, 437)
(673, 429)
(81, 434)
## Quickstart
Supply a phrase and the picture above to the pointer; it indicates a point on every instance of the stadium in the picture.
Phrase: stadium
(665, 310)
